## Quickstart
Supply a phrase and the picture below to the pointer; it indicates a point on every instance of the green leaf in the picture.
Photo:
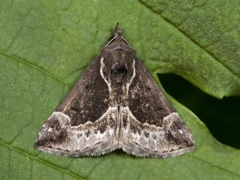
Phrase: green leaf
(45, 46)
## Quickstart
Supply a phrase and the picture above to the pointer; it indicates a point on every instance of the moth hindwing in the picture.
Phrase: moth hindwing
(115, 104)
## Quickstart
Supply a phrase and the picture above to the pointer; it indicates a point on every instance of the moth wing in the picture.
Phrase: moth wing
(150, 125)
(82, 124)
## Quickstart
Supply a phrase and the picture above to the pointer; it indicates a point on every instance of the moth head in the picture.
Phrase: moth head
(117, 39)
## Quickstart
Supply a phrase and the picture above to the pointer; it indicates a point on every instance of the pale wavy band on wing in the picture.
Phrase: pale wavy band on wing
(171, 139)
(91, 138)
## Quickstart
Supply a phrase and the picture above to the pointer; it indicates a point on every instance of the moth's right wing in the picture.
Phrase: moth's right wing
(150, 125)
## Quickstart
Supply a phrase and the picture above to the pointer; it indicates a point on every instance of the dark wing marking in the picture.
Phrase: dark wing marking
(88, 99)
(150, 126)
(82, 124)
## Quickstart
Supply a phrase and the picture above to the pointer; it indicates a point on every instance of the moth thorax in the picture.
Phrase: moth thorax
(119, 72)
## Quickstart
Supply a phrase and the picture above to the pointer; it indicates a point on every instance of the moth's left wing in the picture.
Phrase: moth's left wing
(83, 124)
(150, 125)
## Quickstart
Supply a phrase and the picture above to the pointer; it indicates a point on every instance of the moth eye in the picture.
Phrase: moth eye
(119, 69)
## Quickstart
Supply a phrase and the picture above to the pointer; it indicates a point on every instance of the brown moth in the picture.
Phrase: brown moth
(115, 104)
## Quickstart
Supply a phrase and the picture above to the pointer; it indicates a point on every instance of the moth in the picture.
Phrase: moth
(116, 104)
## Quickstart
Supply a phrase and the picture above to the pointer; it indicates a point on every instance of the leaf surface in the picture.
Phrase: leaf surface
(46, 45)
